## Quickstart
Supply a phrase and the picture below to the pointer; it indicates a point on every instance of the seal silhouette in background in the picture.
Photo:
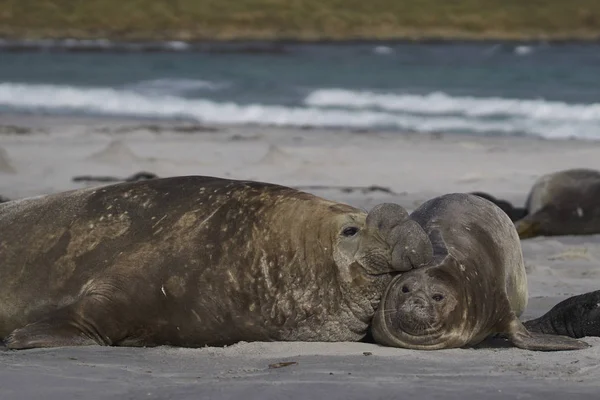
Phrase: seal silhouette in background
(560, 203)
(513, 212)
(563, 203)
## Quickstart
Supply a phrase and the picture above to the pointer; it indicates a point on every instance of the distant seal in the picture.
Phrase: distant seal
(138, 176)
(475, 287)
(577, 317)
(193, 261)
(563, 203)
(513, 212)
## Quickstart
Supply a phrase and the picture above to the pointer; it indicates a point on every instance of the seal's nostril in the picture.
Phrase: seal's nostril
(417, 302)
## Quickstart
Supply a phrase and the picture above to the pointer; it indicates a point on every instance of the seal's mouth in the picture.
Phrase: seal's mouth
(415, 316)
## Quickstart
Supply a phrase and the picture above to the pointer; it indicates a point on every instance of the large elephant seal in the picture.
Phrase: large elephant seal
(563, 203)
(577, 317)
(194, 261)
(475, 287)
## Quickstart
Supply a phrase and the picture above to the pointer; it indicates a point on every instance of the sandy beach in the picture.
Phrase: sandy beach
(41, 155)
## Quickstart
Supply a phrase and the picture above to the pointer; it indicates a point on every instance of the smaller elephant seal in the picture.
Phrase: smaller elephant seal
(563, 203)
(577, 317)
(513, 212)
(475, 287)
(196, 261)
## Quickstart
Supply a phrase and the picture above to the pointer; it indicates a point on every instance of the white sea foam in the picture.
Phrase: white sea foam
(383, 50)
(436, 112)
(441, 103)
(523, 50)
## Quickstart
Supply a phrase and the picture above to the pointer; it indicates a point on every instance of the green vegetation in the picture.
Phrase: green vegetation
(301, 19)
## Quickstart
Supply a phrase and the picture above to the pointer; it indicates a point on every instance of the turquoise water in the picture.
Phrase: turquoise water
(502, 88)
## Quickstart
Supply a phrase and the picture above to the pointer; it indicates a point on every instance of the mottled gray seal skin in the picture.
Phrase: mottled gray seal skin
(577, 317)
(193, 261)
(563, 203)
(475, 287)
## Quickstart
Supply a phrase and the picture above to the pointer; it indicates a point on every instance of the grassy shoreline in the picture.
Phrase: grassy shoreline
(308, 38)
(301, 20)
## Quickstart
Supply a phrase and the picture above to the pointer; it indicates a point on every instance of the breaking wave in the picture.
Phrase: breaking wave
(435, 112)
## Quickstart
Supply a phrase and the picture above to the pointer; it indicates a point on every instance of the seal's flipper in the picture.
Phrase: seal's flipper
(543, 342)
(577, 317)
(73, 325)
(523, 339)
(47, 333)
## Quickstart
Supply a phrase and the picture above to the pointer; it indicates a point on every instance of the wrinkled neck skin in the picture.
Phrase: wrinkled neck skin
(466, 325)
(302, 295)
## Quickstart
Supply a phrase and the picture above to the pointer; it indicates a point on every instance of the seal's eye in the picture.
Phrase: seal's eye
(350, 231)
(405, 289)
(437, 297)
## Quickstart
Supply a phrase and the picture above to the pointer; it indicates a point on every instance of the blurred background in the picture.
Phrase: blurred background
(485, 67)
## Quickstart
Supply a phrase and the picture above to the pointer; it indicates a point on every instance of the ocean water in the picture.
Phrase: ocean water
(548, 90)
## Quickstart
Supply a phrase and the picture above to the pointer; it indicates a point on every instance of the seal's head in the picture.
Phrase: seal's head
(383, 242)
(421, 310)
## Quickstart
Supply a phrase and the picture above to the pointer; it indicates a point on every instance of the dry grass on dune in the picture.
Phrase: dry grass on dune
(300, 19)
